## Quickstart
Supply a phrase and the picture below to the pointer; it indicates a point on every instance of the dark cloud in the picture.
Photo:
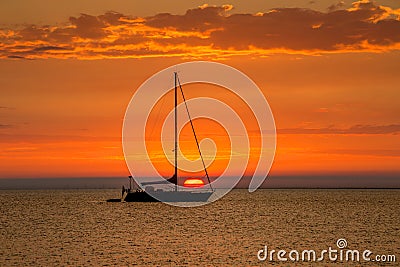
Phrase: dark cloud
(5, 126)
(32, 33)
(307, 30)
(356, 129)
(210, 31)
(336, 6)
(199, 19)
(88, 26)
(47, 48)
(16, 57)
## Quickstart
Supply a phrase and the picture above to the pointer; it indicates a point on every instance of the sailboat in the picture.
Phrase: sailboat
(149, 194)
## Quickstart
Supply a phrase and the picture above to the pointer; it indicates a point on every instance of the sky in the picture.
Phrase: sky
(329, 70)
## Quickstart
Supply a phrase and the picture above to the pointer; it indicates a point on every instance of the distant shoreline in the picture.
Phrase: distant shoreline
(276, 182)
(262, 189)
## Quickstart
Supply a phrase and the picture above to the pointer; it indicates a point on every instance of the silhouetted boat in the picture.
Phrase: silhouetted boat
(150, 194)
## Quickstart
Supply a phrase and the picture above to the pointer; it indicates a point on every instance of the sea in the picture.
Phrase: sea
(79, 228)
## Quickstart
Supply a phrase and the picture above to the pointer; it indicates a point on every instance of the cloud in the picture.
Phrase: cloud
(336, 6)
(5, 126)
(21, 149)
(6, 109)
(368, 152)
(37, 138)
(210, 32)
(356, 129)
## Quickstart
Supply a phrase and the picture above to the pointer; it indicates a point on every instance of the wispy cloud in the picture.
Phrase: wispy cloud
(5, 126)
(42, 138)
(368, 152)
(356, 129)
(210, 32)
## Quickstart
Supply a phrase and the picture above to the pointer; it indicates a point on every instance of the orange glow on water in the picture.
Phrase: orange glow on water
(193, 182)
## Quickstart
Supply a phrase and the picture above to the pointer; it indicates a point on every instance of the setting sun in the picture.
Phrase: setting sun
(193, 182)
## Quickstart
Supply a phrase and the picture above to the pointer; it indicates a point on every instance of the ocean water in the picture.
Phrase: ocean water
(78, 228)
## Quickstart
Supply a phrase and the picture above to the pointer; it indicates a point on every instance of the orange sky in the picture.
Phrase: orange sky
(331, 79)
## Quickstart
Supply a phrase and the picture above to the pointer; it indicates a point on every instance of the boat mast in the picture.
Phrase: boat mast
(194, 132)
(176, 133)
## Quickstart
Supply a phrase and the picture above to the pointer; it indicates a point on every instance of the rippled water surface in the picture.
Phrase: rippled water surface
(77, 227)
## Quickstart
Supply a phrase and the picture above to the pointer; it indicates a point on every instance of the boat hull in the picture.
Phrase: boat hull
(168, 196)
